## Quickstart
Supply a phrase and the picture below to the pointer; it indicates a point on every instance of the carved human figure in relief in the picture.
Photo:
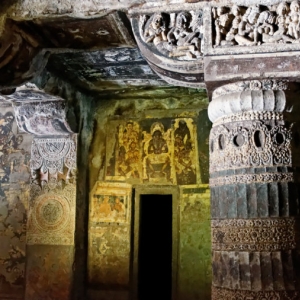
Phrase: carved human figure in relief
(177, 35)
(259, 24)
(183, 40)
(248, 28)
(156, 31)
(231, 34)
(294, 20)
(222, 21)
(282, 23)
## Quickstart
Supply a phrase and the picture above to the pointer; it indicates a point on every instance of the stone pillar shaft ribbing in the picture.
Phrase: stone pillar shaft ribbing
(254, 194)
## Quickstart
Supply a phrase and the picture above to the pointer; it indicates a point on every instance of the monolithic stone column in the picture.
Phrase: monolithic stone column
(254, 192)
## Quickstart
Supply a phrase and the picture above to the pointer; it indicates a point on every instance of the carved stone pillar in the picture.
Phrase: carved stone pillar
(254, 192)
(51, 210)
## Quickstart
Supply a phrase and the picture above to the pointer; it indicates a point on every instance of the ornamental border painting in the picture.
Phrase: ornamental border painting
(110, 203)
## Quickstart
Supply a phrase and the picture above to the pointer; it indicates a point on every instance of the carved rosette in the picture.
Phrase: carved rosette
(52, 218)
(254, 195)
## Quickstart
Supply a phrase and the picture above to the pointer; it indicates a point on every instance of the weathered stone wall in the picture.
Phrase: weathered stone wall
(180, 158)
(14, 197)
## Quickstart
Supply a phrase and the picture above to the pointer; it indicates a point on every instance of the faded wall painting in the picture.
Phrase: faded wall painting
(110, 203)
(49, 273)
(123, 141)
(157, 152)
(14, 196)
(162, 151)
(109, 236)
(194, 271)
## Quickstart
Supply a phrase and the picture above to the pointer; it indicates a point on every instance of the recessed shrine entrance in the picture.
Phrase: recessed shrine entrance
(155, 243)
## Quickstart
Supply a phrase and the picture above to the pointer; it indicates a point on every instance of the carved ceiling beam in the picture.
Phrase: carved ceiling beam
(208, 44)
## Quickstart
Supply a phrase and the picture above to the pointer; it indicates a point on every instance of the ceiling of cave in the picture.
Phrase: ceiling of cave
(105, 69)
(94, 54)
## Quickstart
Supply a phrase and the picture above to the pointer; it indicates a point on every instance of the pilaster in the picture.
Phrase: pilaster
(52, 202)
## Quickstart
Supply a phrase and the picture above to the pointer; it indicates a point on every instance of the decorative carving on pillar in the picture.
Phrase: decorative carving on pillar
(53, 156)
(43, 115)
(218, 293)
(249, 145)
(256, 24)
(254, 194)
(268, 234)
(53, 192)
(176, 35)
(51, 211)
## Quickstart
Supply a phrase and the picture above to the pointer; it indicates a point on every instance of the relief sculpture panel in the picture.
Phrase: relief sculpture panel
(176, 35)
(256, 24)
(160, 151)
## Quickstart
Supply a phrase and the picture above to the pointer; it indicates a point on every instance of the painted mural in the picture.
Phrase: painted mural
(194, 272)
(109, 235)
(14, 197)
(110, 202)
(126, 153)
(159, 151)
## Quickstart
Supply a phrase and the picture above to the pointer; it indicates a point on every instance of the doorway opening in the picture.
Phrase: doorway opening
(155, 247)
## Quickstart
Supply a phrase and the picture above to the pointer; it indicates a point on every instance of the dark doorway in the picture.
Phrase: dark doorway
(155, 248)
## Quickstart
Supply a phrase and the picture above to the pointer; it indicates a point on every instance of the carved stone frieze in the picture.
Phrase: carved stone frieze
(176, 35)
(252, 178)
(227, 294)
(254, 234)
(252, 145)
(256, 24)
(42, 118)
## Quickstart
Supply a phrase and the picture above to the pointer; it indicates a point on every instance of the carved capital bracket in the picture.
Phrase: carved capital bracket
(209, 44)
(172, 43)
(39, 113)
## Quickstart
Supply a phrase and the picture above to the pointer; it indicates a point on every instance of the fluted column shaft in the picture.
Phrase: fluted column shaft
(254, 193)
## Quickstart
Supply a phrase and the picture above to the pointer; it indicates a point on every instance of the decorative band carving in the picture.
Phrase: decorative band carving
(226, 294)
(254, 234)
(253, 145)
(252, 178)
(250, 116)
